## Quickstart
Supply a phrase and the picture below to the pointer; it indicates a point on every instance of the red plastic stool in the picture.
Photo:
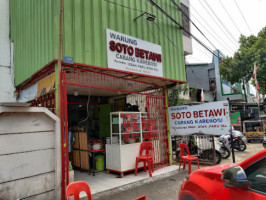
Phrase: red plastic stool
(187, 158)
(77, 187)
(146, 158)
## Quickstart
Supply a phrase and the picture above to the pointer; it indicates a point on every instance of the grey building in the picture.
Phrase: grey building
(206, 76)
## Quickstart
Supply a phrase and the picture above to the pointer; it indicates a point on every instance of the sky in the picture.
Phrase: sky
(224, 30)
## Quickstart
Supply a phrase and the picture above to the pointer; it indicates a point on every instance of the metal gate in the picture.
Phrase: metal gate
(156, 113)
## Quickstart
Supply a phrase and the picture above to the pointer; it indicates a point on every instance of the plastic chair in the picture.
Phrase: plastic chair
(76, 187)
(146, 158)
(188, 157)
(141, 198)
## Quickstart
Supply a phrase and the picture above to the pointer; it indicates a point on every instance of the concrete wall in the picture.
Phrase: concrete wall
(6, 73)
(30, 154)
(198, 75)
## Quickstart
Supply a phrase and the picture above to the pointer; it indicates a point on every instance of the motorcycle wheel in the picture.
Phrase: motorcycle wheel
(242, 145)
(225, 153)
(239, 145)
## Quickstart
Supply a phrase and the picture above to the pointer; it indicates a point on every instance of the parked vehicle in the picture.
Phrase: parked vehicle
(240, 135)
(239, 141)
(254, 130)
(245, 181)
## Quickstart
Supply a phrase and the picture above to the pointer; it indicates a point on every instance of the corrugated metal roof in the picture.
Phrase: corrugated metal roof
(32, 31)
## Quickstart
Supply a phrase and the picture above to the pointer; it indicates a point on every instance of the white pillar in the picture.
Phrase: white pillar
(6, 71)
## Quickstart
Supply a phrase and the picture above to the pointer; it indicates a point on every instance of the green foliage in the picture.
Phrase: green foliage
(174, 95)
(240, 67)
(193, 91)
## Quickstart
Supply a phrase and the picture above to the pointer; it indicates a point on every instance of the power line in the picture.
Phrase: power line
(166, 36)
(179, 25)
(202, 51)
(243, 16)
(124, 6)
(207, 25)
(193, 23)
(189, 57)
(229, 16)
(172, 19)
(217, 39)
(226, 34)
(182, 28)
(229, 32)
(153, 33)
(232, 41)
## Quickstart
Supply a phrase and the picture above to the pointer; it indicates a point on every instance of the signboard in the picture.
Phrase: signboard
(67, 59)
(209, 118)
(235, 119)
(133, 55)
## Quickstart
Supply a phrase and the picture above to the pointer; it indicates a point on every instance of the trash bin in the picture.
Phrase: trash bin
(99, 162)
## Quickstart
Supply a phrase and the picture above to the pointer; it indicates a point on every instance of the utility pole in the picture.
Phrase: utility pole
(59, 61)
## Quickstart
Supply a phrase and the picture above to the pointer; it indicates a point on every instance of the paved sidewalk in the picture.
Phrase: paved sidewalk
(103, 184)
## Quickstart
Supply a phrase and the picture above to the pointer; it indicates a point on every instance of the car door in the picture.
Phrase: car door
(256, 174)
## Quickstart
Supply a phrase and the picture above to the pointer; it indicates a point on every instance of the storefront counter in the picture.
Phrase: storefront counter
(121, 158)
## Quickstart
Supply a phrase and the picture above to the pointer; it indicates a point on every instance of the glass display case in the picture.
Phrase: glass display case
(128, 127)
(128, 130)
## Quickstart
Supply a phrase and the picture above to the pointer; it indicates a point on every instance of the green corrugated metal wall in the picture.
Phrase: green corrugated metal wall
(85, 24)
(34, 30)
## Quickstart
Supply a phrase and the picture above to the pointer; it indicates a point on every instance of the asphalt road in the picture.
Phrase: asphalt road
(168, 188)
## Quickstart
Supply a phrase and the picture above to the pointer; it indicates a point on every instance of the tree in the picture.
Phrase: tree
(239, 68)
(175, 94)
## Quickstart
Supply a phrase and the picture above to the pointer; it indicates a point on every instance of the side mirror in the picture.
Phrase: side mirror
(235, 177)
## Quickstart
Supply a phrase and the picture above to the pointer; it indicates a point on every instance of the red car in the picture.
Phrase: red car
(244, 181)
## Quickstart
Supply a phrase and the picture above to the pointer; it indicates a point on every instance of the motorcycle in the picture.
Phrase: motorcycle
(239, 143)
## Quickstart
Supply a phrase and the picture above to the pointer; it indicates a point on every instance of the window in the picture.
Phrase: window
(256, 174)
(185, 20)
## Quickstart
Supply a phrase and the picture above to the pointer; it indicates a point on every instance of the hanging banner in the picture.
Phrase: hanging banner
(235, 119)
(28, 94)
(133, 55)
(209, 118)
(46, 85)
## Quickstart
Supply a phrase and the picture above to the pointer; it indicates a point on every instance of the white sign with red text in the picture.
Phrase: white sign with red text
(131, 54)
(208, 118)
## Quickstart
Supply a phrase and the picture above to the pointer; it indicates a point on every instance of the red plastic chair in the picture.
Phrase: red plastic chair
(146, 158)
(141, 198)
(187, 158)
(77, 187)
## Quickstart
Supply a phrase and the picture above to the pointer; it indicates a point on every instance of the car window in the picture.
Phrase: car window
(256, 174)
